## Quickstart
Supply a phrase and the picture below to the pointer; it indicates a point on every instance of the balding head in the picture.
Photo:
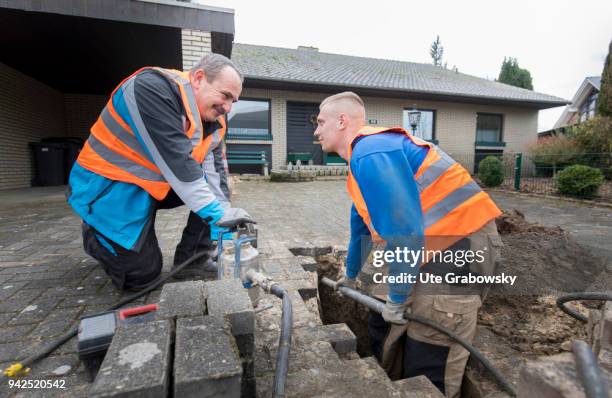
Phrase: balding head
(340, 118)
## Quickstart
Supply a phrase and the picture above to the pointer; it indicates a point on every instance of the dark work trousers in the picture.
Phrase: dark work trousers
(134, 270)
(431, 358)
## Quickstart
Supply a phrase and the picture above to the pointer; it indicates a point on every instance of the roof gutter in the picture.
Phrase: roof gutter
(286, 84)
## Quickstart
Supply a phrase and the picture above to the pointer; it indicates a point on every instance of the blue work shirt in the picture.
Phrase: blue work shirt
(384, 165)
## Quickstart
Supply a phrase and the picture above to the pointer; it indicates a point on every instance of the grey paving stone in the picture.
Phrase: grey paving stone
(137, 362)
(55, 366)
(182, 299)
(229, 298)
(15, 333)
(18, 301)
(338, 335)
(38, 276)
(16, 350)
(37, 311)
(206, 363)
(10, 288)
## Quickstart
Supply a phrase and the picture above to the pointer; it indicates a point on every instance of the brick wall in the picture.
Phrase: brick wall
(195, 44)
(455, 123)
(29, 111)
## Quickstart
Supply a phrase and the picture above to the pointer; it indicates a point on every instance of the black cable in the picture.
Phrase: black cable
(561, 300)
(378, 306)
(54, 344)
(284, 342)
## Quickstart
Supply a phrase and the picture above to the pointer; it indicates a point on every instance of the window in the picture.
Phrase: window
(488, 127)
(588, 109)
(426, 127)
(249, 119)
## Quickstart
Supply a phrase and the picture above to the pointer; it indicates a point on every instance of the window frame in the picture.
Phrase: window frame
(433, 124)
(268, 137)
(501, 141)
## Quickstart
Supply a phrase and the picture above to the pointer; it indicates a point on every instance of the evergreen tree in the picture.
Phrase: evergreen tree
(511, 73)
(436, 51)
(604, 99)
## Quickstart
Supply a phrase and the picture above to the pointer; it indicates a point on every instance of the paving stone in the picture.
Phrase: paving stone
(137, 362)
(38, 276)
(16, 350)
(182, 299)
(10, 288)
(15, 333)
(418, 387)
(229, 298)
(338, 335)
(18, 301)
(35, 312)
(52, 328)
(553, 377)
(74, 301)
(206, 360)
(55, 366)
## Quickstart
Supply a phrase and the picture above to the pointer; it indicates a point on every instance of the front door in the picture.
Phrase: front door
(301, 124)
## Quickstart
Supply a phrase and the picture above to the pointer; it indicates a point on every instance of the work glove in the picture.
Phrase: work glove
(232, 216)
(347, 282)
(394, 312)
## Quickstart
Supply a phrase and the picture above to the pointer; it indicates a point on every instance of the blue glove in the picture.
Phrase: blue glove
(212, 213)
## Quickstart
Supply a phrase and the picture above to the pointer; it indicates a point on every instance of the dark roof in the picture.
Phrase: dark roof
(308, 67)
(151, 12)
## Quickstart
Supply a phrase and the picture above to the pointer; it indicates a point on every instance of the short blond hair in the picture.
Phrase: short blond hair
(347, 96)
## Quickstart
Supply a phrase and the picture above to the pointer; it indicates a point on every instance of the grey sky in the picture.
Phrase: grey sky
(559, 42)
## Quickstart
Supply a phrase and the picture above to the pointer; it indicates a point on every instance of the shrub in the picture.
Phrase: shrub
(593, 135)
(555, 152)
(491, 171)
(578, 180)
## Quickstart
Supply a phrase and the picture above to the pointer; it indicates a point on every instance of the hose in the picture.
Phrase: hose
(561, 300)
(378, 307)
(284, 342)
(23, 366)
(588, 372)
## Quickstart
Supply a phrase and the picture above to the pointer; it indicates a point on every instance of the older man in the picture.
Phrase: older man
(158, 143)
(410, 195)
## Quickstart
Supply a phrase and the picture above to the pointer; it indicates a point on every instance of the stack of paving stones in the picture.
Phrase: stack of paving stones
(200, 345)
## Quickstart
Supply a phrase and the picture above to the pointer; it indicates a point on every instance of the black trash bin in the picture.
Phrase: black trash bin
(48, 163)
(72, 148)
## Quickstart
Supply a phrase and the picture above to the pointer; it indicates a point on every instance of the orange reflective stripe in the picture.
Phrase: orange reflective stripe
(455, 177)
(467, 218)
(115, 115)
(101, 132)
(89, 159)
(360, 206)
(453, 205)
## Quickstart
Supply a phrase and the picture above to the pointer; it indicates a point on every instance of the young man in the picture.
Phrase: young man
(409, 194)
(158, 143)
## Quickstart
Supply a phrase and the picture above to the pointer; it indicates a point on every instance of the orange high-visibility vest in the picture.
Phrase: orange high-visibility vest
(453, 204)
(113, 150)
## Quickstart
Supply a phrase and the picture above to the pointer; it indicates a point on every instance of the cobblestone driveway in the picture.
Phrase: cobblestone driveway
(47, 282)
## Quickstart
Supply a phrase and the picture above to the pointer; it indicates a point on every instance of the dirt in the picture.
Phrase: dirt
(336, 308)
(546, 261)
